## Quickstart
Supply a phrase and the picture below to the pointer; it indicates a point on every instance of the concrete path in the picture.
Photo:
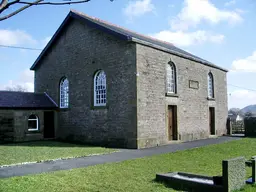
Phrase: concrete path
(124, 154)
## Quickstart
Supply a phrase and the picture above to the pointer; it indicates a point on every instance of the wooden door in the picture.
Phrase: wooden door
(49, 131)
(212, 121)
(172, 128)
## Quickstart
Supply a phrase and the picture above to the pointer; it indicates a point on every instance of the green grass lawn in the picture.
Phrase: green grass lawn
(45, 150)
(134, 175)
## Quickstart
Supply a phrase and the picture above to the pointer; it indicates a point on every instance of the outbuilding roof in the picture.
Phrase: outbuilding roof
(13, 100)
(124, 34)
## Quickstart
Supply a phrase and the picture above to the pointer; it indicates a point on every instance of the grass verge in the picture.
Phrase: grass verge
(134, 175)
(45, 150)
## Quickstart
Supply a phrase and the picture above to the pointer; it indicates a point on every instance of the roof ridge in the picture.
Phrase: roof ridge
(118, 26)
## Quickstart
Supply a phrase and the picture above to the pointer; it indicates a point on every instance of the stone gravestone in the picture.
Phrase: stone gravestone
(253, 165)
(253, 170)
(233, 178)
(233, 173)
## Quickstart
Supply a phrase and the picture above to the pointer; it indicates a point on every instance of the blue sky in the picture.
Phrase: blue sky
(217, 30)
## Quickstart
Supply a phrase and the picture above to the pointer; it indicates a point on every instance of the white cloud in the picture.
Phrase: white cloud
(138, 8)
(184, 39)
(247, 64)
(25, 80)
(240, 10)
(241, 98)
(15, 37)
(229, 3)
(19, 37)
(196, 11)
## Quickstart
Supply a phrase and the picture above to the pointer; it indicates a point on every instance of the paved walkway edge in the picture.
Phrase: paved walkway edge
(49, 160)
(124, 154)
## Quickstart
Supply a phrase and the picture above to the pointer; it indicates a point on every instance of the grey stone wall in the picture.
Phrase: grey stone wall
(78, 54)
(19, 132)
(192, 104)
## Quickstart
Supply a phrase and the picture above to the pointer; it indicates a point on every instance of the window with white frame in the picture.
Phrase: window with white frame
(171, 78)
(33, 123)
(64, 93)
(100, 89)
(210, 86)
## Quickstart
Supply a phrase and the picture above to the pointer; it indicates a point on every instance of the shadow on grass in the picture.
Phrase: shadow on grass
(50, 143)
(167, 185)
(69, 143)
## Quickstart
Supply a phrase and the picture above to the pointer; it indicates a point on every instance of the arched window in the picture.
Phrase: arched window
(171, 86)
(64, 93)
(210, 86)
(100, 89)
(33, 123)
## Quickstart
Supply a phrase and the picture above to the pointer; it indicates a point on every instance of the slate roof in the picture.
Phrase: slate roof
(11, 99)
(127, 35)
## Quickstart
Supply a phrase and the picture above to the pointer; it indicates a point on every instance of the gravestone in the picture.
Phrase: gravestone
(253, 178)
(233, 178)
(253, 170)
(233, 174)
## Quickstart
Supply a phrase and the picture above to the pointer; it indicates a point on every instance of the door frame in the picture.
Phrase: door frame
(174, 119)
(212, 128)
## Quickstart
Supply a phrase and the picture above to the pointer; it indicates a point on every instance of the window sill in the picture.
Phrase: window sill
(33, 131)
(171, 95)
(99, 107)
(64, 109)
(210, 99)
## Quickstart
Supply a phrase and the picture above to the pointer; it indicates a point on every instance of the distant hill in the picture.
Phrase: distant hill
(249, 108)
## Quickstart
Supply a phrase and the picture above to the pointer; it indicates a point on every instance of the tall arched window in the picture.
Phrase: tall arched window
(210, 86)
(171, 86)
(64, 93)
(100, 89)
(33, 123)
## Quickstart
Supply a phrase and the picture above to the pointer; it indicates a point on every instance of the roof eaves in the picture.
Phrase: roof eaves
(27, 108)
(139, 41)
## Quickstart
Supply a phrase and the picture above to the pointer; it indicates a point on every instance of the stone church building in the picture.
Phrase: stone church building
(109, 86)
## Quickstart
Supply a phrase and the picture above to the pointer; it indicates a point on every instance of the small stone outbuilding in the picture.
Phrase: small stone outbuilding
(26, 116)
